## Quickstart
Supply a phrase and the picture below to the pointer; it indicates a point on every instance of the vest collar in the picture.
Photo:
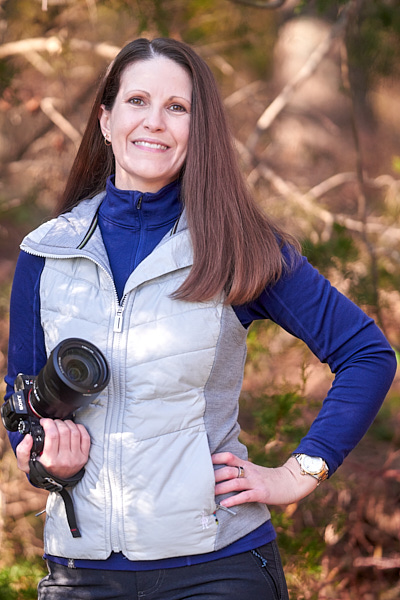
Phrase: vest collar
(74, 235)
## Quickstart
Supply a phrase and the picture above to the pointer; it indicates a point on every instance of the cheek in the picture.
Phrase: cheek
(184, 139)
(122, 123)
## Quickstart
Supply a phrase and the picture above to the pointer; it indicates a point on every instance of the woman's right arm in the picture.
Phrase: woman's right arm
(66, 446)
(26, 347)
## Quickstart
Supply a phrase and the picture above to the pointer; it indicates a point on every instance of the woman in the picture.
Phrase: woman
(160, 257)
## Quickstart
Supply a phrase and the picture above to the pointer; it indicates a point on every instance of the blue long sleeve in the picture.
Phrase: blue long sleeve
(340, 334)
(26, 348)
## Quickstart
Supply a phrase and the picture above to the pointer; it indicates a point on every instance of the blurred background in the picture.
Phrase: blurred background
(312, 90)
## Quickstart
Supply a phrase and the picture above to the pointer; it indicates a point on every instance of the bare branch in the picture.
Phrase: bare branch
(223, 65)
(331, 183)
(379, 562)
(52, 45)
(275, 108)
(102, 49)
(48, 108)
(39, 63)
(242, 94)
(339, 179)
(285, 188)
(307, 202)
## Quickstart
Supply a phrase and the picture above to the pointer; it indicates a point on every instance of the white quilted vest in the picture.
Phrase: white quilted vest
(148, 490)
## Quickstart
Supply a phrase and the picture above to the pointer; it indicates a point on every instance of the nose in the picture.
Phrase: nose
(154, 119)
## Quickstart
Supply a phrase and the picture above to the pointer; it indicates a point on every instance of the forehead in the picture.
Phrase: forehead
(159, 73)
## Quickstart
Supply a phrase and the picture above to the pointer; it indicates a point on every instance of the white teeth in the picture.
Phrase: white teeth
(150, 145)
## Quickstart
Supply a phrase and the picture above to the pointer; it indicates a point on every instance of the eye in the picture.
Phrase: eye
(135, 101)
(178, 108)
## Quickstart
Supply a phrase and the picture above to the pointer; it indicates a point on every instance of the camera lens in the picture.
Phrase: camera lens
(75, 370)
(75, 373)
(80, 367)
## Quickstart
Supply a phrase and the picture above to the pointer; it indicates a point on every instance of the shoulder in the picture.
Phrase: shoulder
(39, 233)
(64, 230)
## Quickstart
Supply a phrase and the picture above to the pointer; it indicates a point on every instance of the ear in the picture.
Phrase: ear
(104, 120)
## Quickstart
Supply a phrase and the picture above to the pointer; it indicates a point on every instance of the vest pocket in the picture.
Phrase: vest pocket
(169, 495)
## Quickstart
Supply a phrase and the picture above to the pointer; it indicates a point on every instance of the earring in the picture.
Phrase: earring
(107, 141)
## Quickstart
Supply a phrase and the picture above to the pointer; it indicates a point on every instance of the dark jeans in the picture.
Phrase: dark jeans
(254, 575)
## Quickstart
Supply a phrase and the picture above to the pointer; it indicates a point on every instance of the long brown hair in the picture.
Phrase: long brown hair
(237, 249)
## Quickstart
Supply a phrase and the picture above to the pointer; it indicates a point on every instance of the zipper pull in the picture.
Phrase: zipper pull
(118, 320)
(139, 203)
(226, 509)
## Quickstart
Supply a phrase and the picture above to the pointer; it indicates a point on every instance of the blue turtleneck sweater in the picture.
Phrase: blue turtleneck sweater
(302, 302)
(133, 223)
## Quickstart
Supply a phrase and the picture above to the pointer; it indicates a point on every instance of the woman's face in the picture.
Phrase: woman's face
(148, 125)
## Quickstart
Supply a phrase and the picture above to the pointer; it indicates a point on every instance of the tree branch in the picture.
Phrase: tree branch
(275, 108)
(242, 94)
(47, 107)
(102, 49)
(39, 63)
(52, 45)
(307, 201)
(379, 562)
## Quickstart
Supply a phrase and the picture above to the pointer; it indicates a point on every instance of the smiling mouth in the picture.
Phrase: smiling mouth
(152, 145)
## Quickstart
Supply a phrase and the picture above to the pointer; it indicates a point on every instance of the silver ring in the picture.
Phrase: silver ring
(240, 472)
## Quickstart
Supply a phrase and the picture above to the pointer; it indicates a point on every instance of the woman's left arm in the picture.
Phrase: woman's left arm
(339, 333)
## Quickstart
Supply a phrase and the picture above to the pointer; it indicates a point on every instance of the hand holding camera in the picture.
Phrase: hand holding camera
(56, 449)
(66, 448)
(74, 375)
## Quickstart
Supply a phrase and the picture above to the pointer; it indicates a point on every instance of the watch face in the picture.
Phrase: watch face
(312, 464)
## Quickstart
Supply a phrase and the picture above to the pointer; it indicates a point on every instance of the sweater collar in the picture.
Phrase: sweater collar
(123, 206)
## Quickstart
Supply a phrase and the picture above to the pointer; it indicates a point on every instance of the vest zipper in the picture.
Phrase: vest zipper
(118, 320)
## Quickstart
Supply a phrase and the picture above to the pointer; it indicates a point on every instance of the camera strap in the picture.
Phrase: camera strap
(41, 478)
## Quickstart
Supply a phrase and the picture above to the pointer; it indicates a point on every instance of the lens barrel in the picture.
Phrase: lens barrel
(74, 375)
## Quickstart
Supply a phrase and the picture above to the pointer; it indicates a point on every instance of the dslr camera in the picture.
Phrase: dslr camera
(74, 375)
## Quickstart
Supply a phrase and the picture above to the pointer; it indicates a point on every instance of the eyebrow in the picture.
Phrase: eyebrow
(174, 96)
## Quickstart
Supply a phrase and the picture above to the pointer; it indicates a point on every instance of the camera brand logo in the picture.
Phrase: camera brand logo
(21, 402)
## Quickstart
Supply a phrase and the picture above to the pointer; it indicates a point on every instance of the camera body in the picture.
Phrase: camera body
(74, 375)
(18, 414)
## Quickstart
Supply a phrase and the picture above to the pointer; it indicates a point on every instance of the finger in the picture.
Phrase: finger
(70, 437)
(226, 473)
(85, 440)
(51, 437)
(64, 437)
(241, 498)
(79, 440)
(226, 458)
(23, 452)
(230, 486)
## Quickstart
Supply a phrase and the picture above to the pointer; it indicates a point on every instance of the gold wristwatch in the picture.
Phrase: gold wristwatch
(312, 465)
